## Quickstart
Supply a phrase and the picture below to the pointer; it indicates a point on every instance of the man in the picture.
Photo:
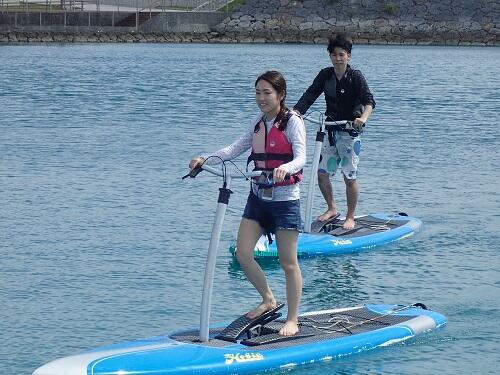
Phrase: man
(348, 97)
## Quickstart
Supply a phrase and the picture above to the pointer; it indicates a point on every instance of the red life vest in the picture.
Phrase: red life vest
(270, 150)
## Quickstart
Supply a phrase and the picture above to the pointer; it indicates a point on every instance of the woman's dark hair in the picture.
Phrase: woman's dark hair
(275, 79)
(343, 41)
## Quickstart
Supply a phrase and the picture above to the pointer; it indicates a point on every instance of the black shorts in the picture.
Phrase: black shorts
(273, 216)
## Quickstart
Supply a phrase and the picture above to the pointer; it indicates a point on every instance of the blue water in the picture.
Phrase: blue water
(101, 242)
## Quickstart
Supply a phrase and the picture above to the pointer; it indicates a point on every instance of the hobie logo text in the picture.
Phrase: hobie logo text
(247, 357)
(341, 242)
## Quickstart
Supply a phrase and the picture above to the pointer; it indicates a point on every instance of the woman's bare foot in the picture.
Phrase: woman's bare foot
(261, 309)
(349, 224)
(289, 329)
(327, 215)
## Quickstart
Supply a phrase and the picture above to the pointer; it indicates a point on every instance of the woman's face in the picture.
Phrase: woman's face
(267, 98)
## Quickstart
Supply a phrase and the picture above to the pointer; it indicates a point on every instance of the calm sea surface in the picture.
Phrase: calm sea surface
(101, 241)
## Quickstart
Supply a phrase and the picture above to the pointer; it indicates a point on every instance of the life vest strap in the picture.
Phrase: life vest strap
(294, 178)
(265, 156)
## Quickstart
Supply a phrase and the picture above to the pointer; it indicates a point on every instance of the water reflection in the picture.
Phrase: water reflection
(331, 282)
(328, 282)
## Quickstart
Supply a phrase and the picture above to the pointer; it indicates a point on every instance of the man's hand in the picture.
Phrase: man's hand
(359, 123)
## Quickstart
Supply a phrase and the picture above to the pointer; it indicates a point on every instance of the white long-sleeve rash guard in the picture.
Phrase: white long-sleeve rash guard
(296, 134)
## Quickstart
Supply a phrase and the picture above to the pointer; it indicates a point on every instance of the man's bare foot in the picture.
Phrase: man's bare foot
(261, 309)
(327, 215)
(349, 224)
(289, 329)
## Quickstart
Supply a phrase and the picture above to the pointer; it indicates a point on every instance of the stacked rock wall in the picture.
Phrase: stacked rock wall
(371, 21)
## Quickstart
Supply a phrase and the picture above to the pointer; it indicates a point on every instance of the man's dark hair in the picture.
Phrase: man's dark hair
(343, 41)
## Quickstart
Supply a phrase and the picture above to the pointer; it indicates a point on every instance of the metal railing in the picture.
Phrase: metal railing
(98, 16)
(112, 5)
(65, 21)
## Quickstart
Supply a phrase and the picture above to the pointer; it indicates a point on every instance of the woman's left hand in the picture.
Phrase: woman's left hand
(279, 175)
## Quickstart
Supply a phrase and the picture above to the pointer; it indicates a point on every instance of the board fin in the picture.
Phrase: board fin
(273, 338)
(243, 324)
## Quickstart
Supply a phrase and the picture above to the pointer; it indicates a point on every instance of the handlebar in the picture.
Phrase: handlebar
(247, 175)
(345, 125)
(320, 121)
(259, 178)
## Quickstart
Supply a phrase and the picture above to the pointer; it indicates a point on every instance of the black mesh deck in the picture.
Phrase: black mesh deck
(193, 336)
(315, 328)
(365, 225)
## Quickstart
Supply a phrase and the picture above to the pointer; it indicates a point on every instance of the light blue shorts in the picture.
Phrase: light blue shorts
(344, 153)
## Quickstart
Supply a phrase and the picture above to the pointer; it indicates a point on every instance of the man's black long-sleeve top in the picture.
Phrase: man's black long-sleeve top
(341, 96)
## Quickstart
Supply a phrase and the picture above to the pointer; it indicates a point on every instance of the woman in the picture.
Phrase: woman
(278, 142)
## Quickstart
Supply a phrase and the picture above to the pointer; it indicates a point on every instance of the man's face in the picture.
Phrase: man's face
(340, 57)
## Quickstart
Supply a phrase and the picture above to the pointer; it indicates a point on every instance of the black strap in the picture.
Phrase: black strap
(262, 156)
(331, 129)
(331, 138)
(269, 238)
(224, 195)
(281, 120)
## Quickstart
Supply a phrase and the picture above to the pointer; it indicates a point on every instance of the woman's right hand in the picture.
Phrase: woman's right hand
(196, 162)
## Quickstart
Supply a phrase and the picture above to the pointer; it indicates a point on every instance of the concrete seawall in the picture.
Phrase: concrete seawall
(412, 22)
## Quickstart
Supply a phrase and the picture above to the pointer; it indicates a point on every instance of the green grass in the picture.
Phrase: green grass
(231, 6)
(32, 7)
(391, 8)
(175, 8)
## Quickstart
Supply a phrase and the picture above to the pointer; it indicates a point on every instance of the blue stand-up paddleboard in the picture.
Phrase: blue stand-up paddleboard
(246, 345)
(328, 237)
